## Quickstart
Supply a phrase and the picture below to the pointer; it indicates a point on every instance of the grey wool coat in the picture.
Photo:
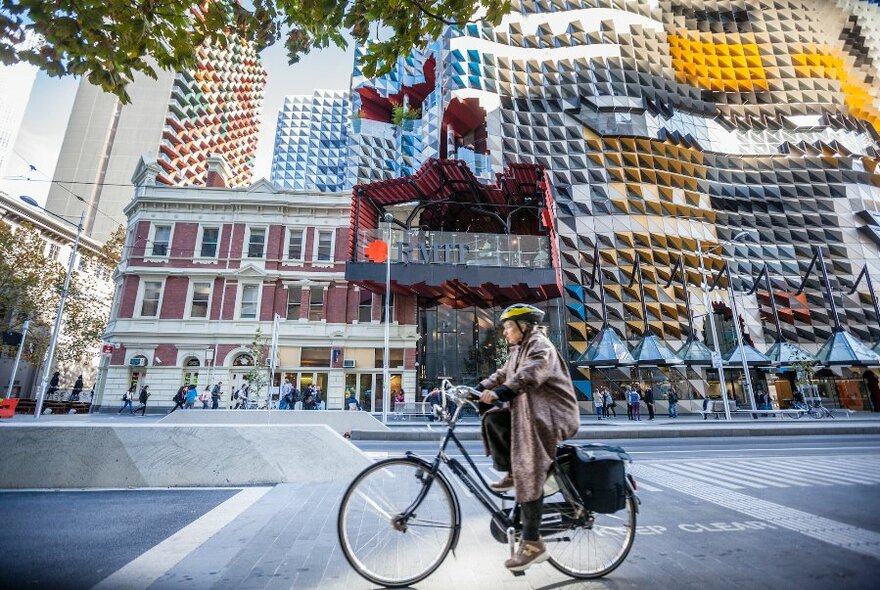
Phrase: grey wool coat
(543, 414)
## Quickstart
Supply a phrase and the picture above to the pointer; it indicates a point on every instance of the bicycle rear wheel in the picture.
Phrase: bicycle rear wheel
(594, 548)
(379, 546)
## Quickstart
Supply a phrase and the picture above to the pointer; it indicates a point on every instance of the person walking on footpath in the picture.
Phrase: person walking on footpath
(609, 403)
(77, 389)
(634, 404)
(205, 397)
(672, 398)
(179, 398)
(706, 407)
(626, 397)
(192, 394)
(285, 401)
(216, 391)
(127, 399)
(649, 402)
(599, 404)
(142, 399)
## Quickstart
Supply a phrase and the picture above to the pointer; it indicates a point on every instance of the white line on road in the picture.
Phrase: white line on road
(817, 527)
(150, 566)
(751, 450)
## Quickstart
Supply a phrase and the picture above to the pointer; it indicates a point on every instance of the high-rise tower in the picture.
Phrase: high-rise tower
(311, 142)
(179, 119)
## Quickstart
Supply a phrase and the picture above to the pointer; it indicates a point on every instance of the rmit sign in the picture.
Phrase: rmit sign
(377, 251)
(437, 254)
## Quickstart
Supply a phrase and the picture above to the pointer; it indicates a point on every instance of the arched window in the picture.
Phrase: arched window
(243, 360)
(192, 362)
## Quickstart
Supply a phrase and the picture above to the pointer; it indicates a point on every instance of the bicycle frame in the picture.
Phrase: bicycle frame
(480, 490)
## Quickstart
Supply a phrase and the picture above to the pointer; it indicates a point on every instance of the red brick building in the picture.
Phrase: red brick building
(205, 267)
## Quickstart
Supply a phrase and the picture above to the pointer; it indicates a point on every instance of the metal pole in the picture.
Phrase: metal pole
(716, 345)
(273, 351)
(56, 329)
(386, 375)
(24, 331)
(739, 339)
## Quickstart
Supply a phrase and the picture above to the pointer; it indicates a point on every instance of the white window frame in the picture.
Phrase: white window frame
(49, 251)
(139, 302)
(247, 242)
(240, 300)
(152, 238)
(190, 292)
(332, 231)
(201, 237)
(287, 242)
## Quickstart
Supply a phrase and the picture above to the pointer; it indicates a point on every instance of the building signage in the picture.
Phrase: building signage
(437, 254)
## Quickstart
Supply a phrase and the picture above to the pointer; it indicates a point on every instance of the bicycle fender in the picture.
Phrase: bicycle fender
(456, 506)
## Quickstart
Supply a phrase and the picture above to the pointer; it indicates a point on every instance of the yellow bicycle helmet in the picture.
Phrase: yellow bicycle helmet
(522, 312)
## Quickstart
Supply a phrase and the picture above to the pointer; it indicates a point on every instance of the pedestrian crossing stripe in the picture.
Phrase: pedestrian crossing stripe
(745, 473)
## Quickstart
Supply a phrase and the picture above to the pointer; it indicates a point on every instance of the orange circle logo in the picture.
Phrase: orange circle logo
(377, 251)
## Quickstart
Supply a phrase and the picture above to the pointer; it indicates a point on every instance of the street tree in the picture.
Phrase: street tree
(30, 288)
(109, 41)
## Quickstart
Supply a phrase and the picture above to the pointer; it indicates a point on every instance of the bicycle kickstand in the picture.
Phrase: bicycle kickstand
(511, 543)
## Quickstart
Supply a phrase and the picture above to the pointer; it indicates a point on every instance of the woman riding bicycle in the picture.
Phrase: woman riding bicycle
(540, 412)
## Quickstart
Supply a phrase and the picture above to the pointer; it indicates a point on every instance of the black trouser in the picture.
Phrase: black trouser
(215, 403)
(496, 430)
(629, 411)
(650, 410)
(531, 519)
(142, 409)
(177, 405)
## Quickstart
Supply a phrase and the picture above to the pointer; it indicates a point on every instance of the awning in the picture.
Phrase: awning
(754, 358)
(844, 349)
(696, 354)
(651, 351)
(607, 349)
(786, 354)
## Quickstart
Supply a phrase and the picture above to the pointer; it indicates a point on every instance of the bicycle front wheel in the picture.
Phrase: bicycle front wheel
(594, 548)
(380, 545)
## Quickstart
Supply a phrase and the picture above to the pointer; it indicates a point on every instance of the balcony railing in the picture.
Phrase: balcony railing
(472, 249)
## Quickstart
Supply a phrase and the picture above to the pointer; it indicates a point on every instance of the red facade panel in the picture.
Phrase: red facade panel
(174, 298)
(183, 240)
(129, 296)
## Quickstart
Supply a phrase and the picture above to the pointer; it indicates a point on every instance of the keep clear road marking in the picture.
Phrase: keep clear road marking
(150, 566)
(817, 527)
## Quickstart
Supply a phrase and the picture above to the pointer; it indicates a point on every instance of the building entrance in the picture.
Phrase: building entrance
(466, 345)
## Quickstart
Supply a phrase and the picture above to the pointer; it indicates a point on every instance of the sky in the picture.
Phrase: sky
(45, 120)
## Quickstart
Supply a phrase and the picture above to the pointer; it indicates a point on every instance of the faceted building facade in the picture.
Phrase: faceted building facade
(179, 119)
(667, 128)
(311, 142)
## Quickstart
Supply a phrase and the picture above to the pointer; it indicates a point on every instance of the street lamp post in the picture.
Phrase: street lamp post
(739, 339)
(56, 329)
(717, 361)
(386, 375)
(24, 331)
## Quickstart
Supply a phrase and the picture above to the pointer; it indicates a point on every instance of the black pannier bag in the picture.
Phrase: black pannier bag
(597, 473)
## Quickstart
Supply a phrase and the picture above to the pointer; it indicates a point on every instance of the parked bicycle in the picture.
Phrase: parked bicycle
(401, 517)
(813, 409)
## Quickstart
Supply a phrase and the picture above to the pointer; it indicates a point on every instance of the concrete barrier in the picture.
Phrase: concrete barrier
(90, 456)
(339, 421)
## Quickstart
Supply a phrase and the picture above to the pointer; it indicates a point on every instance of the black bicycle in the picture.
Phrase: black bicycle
(401, 517)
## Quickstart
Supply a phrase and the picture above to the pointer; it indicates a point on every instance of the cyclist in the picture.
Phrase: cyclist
(540, 412)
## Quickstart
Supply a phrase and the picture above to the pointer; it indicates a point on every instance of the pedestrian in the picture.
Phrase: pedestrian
(77, 389)
(319, 402)
(672, 398)
(435, 404)
(179, 398)
(205, 397)
(142, 398)
(635, 405)
(706, 407)
(627, 392)
(53, 383)
(216, 392)
(127, 398)
(599, 404)
(236, 399)
(610, 403)
(351, 402)
(192, 394)
(649, 402)
(286, 400)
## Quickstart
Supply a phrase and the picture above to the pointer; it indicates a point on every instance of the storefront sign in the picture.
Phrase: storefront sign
(437, 254)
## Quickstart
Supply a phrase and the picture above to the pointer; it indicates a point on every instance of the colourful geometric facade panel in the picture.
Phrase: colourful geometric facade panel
(214, 109)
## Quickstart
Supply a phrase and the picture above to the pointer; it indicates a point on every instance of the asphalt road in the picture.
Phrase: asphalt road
(774, 512)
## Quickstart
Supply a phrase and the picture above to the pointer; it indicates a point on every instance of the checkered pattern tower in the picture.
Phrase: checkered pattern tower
(311, 142)
(670, 122)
